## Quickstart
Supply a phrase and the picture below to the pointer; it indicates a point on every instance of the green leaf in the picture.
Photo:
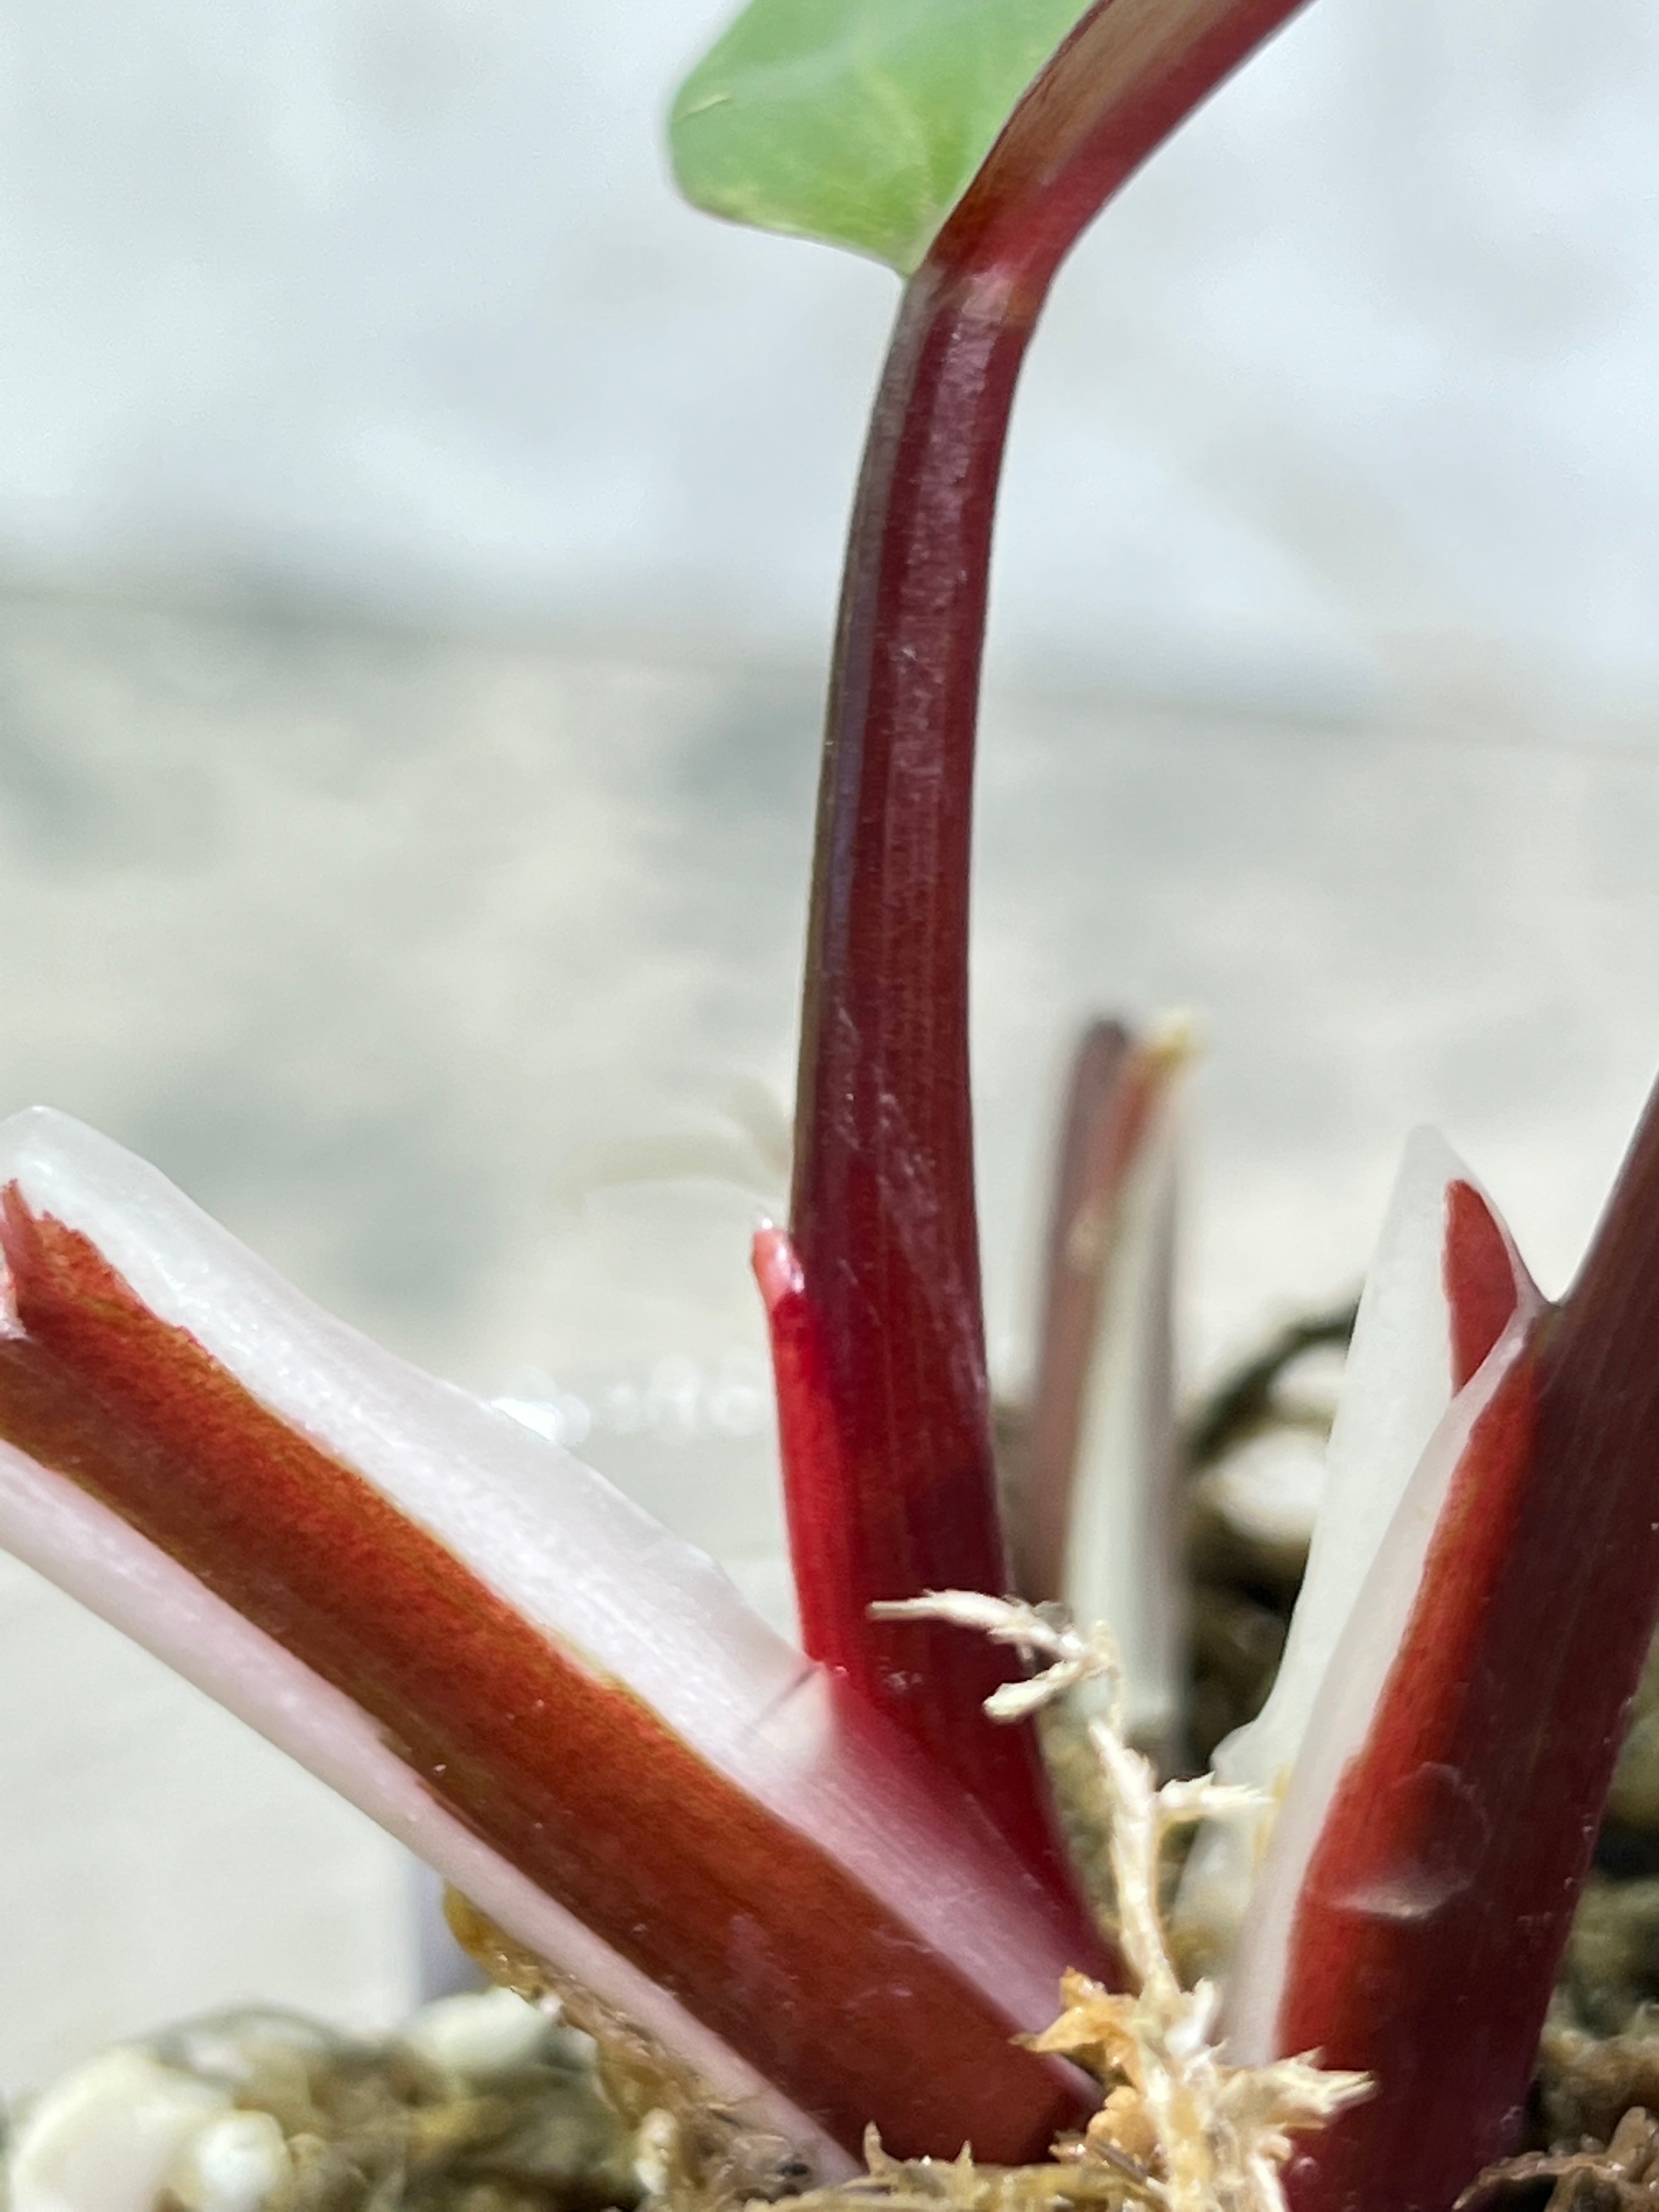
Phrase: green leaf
(858, 122)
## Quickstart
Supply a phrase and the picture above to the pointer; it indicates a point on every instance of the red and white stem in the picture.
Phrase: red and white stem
(568, 1712)
(1480, 1600)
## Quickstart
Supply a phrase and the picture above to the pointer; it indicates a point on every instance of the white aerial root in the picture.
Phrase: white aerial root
(1185, 2129)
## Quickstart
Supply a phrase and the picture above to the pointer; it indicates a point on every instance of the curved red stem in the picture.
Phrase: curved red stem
(883, 1213)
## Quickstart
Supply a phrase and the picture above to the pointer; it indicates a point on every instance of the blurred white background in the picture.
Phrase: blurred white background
(419, 538)
(386, 302)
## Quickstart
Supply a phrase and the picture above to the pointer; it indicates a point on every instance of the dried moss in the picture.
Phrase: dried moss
(926, 2184)
(594, 2116)
(383, 2128)
(691, 2150)
(1618, 2175)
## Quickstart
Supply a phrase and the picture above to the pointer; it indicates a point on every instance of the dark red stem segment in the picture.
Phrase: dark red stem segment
(829, 1601)
(1413, 1955)
(1114, 1092)
(1478, 1275)
(1430, 1959)
(884, 1217)
(883, 1213)
(832, 1603)
(756, 1927)
(1039, 1506)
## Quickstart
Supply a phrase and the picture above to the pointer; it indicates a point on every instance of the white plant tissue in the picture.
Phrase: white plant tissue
(582, 1564)
(1396, 1390)
(1121, 1560)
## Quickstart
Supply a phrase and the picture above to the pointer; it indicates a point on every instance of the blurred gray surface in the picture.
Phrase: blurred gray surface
(389, 298)
(457, 972)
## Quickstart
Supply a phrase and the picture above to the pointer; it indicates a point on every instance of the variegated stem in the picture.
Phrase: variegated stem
(1095, 1140)
(1094, 1506)
(569, 1713)
(881, 1213)
(1422, 1874)
(1409, 1355)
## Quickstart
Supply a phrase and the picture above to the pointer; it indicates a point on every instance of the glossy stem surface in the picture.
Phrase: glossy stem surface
(882, 1214)
(759, 1929)
(884, 1219)
(1504, 1748)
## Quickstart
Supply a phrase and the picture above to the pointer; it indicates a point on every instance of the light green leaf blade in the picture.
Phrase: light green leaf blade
(858, 122)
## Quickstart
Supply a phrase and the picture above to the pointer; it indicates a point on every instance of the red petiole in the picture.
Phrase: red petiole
(890, 1474)
(568, 1713)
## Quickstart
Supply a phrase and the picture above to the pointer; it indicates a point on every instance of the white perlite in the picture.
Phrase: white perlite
(265, 2112)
